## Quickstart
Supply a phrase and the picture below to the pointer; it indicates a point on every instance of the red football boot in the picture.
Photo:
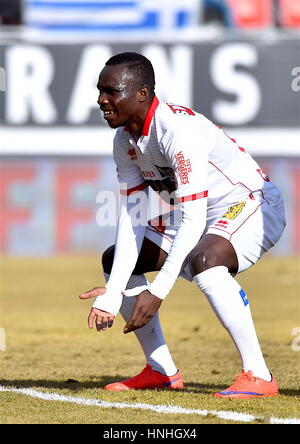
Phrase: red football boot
(148, 379)
(247, 386)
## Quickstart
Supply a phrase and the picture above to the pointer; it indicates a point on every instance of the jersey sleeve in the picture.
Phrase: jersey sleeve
(189, 233)
(129, 174)
(186, 150)
(130, 232)
(129, 239)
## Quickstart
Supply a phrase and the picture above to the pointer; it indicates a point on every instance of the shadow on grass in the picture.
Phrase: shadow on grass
(99, 383)
(95, 382)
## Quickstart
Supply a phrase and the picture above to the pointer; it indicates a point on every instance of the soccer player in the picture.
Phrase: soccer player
(226, 214)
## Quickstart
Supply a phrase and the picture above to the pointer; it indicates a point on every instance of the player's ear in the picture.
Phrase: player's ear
(143, 93)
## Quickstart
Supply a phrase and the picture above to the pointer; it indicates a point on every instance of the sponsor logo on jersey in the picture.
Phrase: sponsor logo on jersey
(183, 110)
(221, 223)
(148, 173)
(234, 210)
(184, 168)
(132, 154)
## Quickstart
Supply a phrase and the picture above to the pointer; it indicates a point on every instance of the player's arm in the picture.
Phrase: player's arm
(130, 235)
(189, 159)
(186, 149)
(188, 235)
(129, 239)
(191, 229)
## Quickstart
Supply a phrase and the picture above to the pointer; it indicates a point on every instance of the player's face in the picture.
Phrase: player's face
(118, 98)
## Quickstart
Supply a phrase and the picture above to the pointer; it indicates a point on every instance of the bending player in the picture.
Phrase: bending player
(227, 215)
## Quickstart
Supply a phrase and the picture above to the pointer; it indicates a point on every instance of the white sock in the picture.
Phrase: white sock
(231, 305)
(150, 336)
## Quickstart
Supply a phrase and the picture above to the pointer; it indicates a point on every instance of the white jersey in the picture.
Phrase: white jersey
(183, 153)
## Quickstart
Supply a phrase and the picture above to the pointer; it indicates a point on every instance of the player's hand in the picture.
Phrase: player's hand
(144, 309)
(101, 319)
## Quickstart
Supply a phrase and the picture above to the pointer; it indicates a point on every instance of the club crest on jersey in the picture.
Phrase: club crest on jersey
(177, 109)
(132, 154)
(234, 210)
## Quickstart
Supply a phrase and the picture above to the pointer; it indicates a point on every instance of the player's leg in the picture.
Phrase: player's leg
(212, 263)
(161, 370)
(151, 258)
(219, 255)
(211, 251)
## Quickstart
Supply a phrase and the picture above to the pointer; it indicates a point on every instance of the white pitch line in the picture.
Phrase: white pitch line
(166, 409)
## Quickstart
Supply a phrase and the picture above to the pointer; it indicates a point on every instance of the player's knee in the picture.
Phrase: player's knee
(201, 260)
(107, 259)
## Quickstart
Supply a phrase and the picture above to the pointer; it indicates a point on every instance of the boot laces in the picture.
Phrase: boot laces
(241, 377)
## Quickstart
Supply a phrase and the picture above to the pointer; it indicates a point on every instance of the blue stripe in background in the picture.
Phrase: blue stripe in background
(182, 19)
(82, 5)
(151, 21)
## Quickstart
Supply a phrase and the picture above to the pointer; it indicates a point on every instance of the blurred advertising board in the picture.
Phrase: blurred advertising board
(69, 205)
(110, 16)
(49, 206)
(233, 82)
(55, 148)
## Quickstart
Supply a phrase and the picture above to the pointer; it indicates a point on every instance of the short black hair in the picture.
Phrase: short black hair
(138, 66)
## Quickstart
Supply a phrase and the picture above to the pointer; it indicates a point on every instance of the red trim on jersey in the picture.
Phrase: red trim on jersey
(238, 183)
(157, 223)
(149, 116)
(213, 226)
(140, 187)
(192, 197)
(246, 219)
(220, 229)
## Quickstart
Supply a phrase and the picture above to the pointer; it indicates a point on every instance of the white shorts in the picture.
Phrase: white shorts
(253, 226)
